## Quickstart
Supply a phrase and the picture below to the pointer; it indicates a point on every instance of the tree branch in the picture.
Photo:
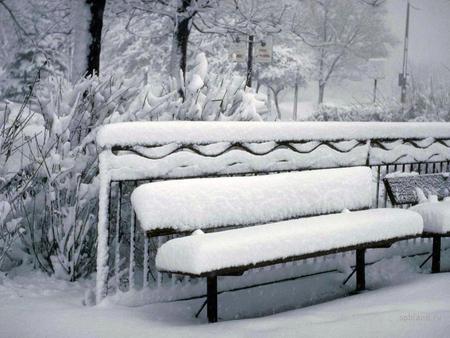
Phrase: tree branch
(13, 17)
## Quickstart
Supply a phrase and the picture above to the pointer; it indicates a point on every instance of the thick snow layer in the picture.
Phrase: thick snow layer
(237, 247)
(403, 152)
(213, 202)
(405, 304)
(401, 174)
(154, 133)
(436, 216)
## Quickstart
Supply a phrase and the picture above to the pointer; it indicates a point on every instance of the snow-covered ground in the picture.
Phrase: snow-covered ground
(403, 302)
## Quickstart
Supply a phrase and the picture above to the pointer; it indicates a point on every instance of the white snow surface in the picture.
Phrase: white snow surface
(251, 245)
(401, 174)
(436, 216)
(401, 303)
(224, 201)
(155, 133)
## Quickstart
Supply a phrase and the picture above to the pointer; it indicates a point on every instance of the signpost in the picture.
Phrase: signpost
(376, 71)
(246, 49)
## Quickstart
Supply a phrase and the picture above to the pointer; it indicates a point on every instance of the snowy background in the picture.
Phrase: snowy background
(69, 67)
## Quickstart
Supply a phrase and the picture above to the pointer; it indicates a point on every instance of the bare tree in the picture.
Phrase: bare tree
(34, 36)
(251, 17)
(344, 34)
(290, 67)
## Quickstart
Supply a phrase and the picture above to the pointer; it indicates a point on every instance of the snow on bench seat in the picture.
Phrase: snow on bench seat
(189, 204)
(436, 216)
(198, 254)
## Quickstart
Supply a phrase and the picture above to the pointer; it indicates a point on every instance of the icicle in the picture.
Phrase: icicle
(145, 281)
(158, 274)
(132, 235)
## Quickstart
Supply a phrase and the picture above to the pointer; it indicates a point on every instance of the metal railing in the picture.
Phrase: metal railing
(129, 262)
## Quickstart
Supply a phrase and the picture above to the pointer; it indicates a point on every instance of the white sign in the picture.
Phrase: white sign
(238, 49)
(262, 50)
(375, 68)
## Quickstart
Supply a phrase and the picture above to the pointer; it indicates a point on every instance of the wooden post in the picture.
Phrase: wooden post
(436, 256)
(360, 269)
(211, 298)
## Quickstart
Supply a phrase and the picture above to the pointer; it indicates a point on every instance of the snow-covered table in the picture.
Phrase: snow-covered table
(426, 192)
(271, 212)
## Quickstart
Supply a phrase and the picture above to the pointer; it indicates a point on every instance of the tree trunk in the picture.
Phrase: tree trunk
(277, 104)
(321, 92)
(87, 23)
(95, 31)
(248, 82)
(180, 46)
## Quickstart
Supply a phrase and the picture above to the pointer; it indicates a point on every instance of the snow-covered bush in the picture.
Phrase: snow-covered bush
(208, 96)
(358, 112)
(16, 126)
(60, 212)
(421, 109)
(55, 205)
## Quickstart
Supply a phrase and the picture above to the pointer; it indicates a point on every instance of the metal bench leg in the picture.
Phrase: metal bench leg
(360, 269)
(211, 298)
(436, 256)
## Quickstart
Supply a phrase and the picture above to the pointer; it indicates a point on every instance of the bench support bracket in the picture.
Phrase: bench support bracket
(360, 269)
(211, 298)
(436, 255)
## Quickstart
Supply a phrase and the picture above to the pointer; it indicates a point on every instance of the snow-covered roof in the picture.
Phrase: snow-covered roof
(157, 133)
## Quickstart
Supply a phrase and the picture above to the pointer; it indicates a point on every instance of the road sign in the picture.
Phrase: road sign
(376, 68)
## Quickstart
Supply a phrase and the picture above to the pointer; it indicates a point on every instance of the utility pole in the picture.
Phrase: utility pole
(250, 61)
(402, 79)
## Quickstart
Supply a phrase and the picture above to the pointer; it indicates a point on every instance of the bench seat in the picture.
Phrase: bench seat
(436, 216)
(248, 247)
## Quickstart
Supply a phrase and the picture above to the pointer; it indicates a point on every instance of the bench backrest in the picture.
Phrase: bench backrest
(189, 204)
(403, 189)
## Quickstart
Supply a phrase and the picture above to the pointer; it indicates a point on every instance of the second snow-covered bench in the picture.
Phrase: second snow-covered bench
(279, 218)
(429, 195)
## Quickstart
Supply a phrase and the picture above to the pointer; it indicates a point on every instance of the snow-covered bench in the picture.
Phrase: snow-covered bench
(429, 195)
(275, 218)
